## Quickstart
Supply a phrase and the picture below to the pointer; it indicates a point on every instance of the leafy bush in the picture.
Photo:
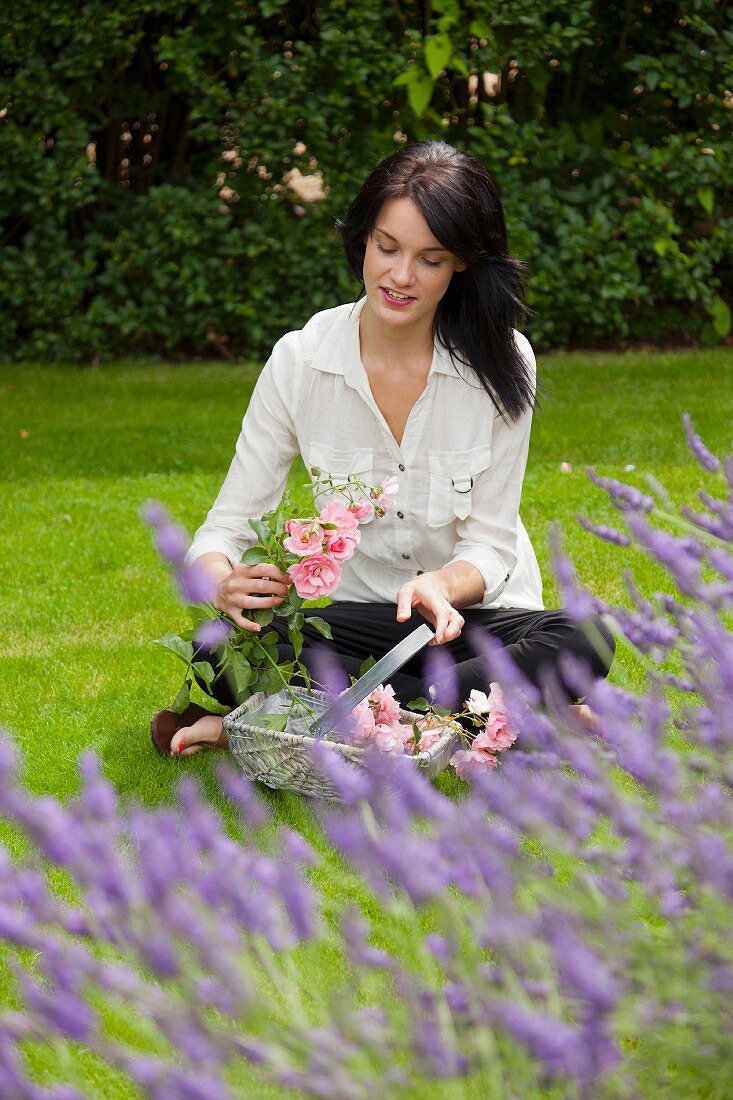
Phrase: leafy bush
(144, 149)
(560, 931)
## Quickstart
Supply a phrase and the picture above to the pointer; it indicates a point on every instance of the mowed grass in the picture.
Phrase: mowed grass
(83, 594)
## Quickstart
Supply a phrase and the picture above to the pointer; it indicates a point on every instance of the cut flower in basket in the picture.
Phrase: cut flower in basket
(377, 721)
(310, 548)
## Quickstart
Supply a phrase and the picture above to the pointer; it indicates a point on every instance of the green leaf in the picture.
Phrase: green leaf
(272, 721)
(322, 601)
(437, 49)
(652, 79)
(419, 93)
(176, 645)
(204, 670)
(418, 704)
(263, 617)
(321, 626)
(296, 639)
(720, 316)
(481, 29)
(182, 699)
(366, 665)
(242, 673)
(260, 529)
(291, 603)
(254, 556)
(270, 682)
(270, 640)
(706, 198)
(270, 7)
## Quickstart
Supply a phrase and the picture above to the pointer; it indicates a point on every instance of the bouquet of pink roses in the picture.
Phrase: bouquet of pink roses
(310, 548)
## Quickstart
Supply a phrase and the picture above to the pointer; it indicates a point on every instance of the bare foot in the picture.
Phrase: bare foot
(206, 733)
(587, 717)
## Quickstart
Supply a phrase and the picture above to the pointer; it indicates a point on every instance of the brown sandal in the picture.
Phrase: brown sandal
(166, 724)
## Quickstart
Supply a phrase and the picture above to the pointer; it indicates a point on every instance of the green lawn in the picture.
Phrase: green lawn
(83, 593)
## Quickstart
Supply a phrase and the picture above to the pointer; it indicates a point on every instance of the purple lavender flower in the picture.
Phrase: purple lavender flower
(196, 585)
(602, 531)
(98, 798)
(355, 930)
(583, 971)
(440, 672)
(328, 671)
(350, 782)
(719, 525)
(554, 1043)
(439, 946)
(243, 794)
(172, 543)
(300, 902)
(652, 635)
(578, 603)
(681, 556)
(625, 497)
(155, 514)
(67, 1015)
(707, 460)
(213, 633)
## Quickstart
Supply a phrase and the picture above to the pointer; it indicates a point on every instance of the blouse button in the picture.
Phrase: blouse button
(406, 557)
(420, 572)
(400, 515)
(401, 468)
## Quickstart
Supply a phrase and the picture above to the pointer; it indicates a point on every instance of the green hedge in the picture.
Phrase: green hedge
(143, 147)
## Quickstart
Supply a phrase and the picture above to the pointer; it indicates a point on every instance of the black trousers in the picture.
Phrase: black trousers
(534, 639)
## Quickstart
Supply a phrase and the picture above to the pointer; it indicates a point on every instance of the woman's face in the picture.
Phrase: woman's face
(406, 270)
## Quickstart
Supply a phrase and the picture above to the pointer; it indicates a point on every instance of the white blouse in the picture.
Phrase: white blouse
(459, 466)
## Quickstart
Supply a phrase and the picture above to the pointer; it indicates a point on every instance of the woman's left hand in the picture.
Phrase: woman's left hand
(427, 595)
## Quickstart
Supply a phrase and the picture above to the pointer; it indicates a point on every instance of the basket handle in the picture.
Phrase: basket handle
(384, 668)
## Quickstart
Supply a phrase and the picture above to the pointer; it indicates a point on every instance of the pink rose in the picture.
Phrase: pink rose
(361, 508)
(303, 538)
(390, 738)
(365, 724)
(495, 740)
(383, 702)
(468, 761)
(341, 544)
(497, 735)
(315, 576)
(428, 739)
(385, 496)
(338, 515)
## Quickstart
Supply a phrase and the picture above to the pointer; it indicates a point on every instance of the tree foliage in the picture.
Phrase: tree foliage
(170, 172)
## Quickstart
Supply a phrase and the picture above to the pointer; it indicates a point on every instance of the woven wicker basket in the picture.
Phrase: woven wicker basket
(284, 760)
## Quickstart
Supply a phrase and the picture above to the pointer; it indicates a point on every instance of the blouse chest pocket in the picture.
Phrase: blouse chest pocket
(452, 476)
(341, 463)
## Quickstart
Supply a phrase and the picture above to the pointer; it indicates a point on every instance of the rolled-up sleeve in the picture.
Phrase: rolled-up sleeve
(488, 536)
(265, 450)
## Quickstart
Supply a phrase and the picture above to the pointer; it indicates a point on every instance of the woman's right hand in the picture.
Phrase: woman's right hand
(251, 588)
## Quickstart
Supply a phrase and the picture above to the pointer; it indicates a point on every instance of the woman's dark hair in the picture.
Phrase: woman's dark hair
(458, 199)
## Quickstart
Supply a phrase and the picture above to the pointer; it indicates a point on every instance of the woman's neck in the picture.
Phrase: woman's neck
(401, 346)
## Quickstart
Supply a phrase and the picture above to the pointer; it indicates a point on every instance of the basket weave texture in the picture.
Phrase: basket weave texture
(284, 760)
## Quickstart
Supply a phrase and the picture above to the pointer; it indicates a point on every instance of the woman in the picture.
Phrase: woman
(425, 378)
